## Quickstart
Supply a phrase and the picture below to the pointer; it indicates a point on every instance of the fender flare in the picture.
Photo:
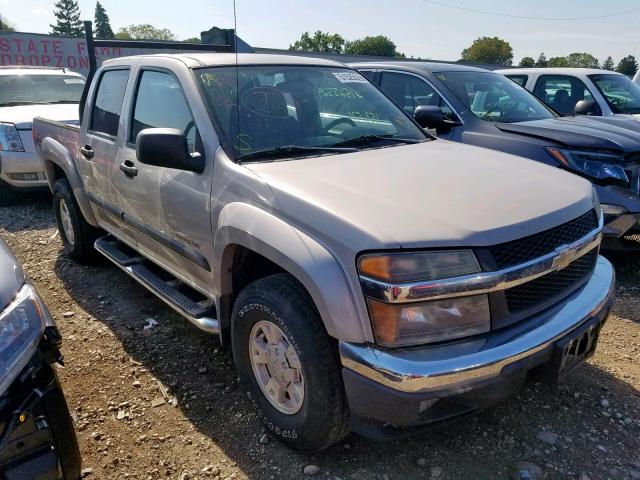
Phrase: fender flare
(53, 154)
(323, 277)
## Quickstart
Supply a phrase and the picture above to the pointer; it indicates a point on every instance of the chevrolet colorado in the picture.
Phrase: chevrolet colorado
(364, 274)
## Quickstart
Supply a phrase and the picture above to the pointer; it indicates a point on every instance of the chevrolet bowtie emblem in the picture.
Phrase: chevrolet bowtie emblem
(564, 256)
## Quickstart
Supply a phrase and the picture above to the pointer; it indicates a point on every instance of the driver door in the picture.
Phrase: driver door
(168, 209)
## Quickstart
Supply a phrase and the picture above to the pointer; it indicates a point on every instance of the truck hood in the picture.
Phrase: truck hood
(581, 132)
(22, 115)
(11, 275)
(432, 194)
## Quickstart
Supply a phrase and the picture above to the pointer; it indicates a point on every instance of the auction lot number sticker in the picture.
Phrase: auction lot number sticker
(349, 77)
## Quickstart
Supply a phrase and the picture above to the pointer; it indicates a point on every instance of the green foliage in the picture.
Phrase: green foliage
(5, 25)
(145, 31)
(68, 22)
(558, 62)
(378, 46)
(608, 64)
(582, 60)
(628, 65)
(101, 23)
(192, 40)
(527, 62)
(491, 50)
(319, 42)
(542, 61)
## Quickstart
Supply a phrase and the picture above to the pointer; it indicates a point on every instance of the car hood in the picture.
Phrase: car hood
(22, 115)
(11, 275)
(580, 132)
(432, 194)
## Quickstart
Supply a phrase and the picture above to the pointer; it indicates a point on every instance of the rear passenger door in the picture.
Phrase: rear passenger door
(168, 209)
(100, 145)
(410, 91)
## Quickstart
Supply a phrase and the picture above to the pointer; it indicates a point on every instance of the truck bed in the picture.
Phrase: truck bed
(65, 134)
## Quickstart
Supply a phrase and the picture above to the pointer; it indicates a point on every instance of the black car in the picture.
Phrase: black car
(479, 107)
(37, 439)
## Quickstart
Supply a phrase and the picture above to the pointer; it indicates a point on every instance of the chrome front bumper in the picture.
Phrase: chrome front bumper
(455, 368)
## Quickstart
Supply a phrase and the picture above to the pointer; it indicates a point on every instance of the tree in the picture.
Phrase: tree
(319, 42)
(491, 50)
(5, 25)
(608, 64)
(68, 21)
(378, 46)
(542, 61)
(192, 40)
(145, 31)
(582, 60)
(527, 62)
(558, 62)
(628, 65)
(102, 24)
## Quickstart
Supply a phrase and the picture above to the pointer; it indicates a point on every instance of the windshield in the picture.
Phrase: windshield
(622, 95)
(29, 89)
(493, 97)
(314, 109)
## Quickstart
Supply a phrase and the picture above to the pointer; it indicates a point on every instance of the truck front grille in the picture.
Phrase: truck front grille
(553, 286)
(528, 248)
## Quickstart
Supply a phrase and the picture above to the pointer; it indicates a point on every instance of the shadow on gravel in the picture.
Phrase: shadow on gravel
(627, 268)
(488, 444)
(32, 211)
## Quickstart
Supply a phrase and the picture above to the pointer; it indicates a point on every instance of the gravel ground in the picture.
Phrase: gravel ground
(162, 402)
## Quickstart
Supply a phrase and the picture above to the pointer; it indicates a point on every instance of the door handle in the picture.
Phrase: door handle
(129, 169)
(87, 152)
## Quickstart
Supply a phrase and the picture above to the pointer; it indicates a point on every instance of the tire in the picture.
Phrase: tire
(78, 242)
(7, 194)
(322, 417)
(63, 433)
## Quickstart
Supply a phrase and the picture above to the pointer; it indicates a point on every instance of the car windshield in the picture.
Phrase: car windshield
(494, 98)
(26, 89)
(293, 111)
(622, 95)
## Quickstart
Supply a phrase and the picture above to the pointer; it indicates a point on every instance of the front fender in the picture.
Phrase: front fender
(53, 155)
(300, 255)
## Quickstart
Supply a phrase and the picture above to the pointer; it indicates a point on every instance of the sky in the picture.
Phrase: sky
(419, 28)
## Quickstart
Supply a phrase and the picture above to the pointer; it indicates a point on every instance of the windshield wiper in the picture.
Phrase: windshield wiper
(293, 150)
(368, 139)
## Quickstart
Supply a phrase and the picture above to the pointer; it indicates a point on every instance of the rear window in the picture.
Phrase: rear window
(519, 79)
(25, 89)
(108, 102)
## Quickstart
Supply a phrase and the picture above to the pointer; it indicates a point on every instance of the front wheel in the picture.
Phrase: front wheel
(287, 364)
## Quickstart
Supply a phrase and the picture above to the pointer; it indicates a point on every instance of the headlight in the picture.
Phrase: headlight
(10, 138)
(600, 166)
(401, 324)
(22, 324)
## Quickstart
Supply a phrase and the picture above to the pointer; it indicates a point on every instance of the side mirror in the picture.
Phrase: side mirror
(587, 107)
(428, 116)
(167, 147)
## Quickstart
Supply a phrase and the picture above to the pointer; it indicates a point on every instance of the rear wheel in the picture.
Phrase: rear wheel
(7, 194)
(287, 364)
(76, 234)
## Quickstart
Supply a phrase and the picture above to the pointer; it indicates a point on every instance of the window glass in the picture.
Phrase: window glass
(519, 79)
(409, 92)
(494, 98)
(562, 92)
(368, 74)
(160, 103)
(108, 102)
(25, 89)
(263, 108)
(622, 95)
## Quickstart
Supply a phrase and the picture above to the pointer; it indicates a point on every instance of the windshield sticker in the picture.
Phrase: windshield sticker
(73, 81)
(349, 77)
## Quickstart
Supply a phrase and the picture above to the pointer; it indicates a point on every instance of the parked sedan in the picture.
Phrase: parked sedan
(37, 439)
(581, 91)
(482, 108)
(27, 92)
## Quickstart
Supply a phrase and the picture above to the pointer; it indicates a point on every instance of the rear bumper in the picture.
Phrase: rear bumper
(14, 165)
(409, 387)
